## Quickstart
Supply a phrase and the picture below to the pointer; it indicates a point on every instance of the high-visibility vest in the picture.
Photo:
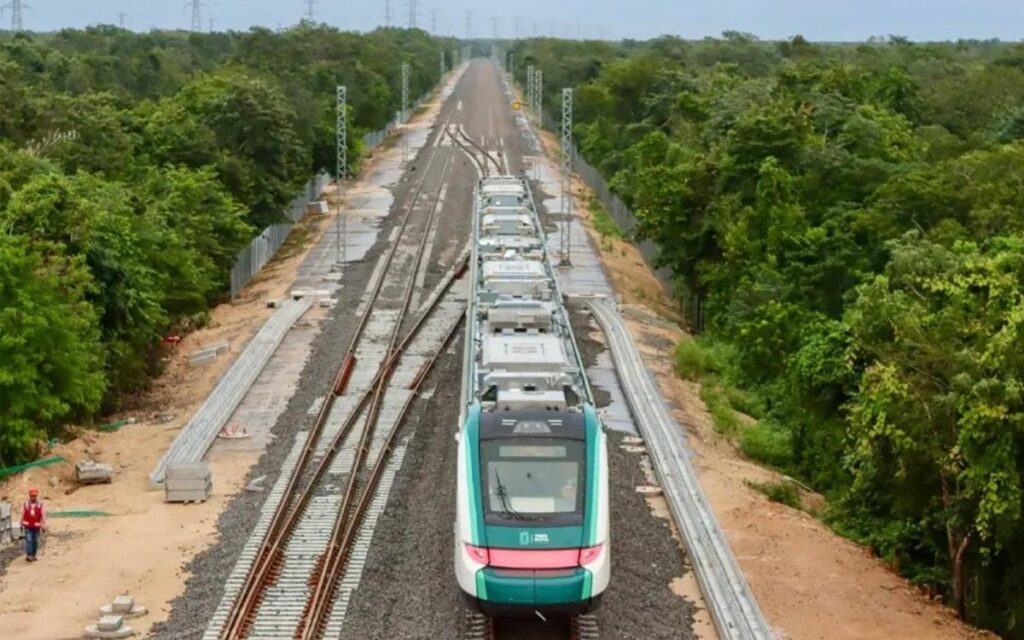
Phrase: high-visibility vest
(33, 515)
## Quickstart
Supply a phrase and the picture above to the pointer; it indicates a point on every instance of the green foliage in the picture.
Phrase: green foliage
(850, 216)
(781, 492)
(768, 444)
(133, 169)
(51, 360)
(602, 220)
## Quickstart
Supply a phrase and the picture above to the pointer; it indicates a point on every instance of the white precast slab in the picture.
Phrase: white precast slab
(733, 607)
(197, 436)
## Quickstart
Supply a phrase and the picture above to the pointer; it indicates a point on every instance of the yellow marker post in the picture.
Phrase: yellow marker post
(516, 105)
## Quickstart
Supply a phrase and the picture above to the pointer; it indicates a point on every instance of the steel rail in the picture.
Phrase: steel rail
(325, 576)
(476, 145)
(285, 516)
(482, 166)
(320, 605)
(733, 607)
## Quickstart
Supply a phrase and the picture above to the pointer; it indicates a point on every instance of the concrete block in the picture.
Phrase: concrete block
(197, 360)
(318, 207)
(273, 303)
(123, 604)
(216, 347)
(187, 496)
(110, 623)
(90, 472)
(188, 484)
(180, 470)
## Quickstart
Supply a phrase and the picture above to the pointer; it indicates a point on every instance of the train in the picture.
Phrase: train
(532, 514)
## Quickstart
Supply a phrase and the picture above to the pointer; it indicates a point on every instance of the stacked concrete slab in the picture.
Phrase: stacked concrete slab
(197, 436)
(6, 533)
(90, 472)
(188, 482)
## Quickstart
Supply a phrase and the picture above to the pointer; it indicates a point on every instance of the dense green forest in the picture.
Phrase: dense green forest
(133, 167)
(851, 218)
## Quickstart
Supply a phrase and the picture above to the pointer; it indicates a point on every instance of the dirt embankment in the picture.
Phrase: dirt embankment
(810, 582)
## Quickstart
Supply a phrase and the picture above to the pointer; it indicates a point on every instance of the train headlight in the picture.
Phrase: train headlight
(478, 554)
(590, 554)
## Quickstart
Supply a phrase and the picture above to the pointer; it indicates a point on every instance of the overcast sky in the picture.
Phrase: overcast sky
(814, 19)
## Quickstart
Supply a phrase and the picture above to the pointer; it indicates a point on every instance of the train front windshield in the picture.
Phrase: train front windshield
(533, 479)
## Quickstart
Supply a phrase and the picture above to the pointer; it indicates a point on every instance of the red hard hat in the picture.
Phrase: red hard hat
(33, 492)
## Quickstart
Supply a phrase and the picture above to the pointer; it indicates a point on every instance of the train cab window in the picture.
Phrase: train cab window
(533, 479)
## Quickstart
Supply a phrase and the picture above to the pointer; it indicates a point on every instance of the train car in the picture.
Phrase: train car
(531, 530)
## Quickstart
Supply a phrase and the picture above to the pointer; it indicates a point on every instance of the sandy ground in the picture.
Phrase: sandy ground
(810, 582)
(141, 547)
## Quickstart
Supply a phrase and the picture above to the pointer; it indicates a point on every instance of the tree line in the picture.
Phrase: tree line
(134, 167)
(851, 218)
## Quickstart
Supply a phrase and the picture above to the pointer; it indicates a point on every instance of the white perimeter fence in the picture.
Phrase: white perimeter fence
(262, 248)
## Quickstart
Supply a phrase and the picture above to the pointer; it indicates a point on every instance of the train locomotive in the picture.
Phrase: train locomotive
(531, 529)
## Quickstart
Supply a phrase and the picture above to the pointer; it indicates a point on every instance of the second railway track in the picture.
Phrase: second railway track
(297, 584)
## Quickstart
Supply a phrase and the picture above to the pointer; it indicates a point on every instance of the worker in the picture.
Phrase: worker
(33, 521)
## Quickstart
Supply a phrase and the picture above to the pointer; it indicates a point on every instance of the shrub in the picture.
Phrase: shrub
(767, 444)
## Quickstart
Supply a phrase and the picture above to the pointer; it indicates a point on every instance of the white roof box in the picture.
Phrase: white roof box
(523, 353)
(507, 225)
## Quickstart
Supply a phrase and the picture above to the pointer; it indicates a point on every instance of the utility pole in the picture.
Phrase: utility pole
(565, 231)
(530, 70)
(341, 140)
(16, 7)
(310, 10)
(538, 95)
(412, 14)
(405, 109)
(443, 70)
(387, 14)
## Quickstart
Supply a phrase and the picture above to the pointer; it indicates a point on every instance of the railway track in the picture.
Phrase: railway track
(480, 627)
(300, 579)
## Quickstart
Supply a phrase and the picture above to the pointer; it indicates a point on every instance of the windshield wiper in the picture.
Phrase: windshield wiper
(507, 510)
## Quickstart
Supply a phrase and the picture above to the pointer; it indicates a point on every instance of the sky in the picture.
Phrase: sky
(830, 20)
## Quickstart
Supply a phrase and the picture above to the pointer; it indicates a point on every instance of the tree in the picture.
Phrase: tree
(938, 416)
(51, 359)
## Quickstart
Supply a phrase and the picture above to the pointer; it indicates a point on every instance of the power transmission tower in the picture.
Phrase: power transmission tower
(515, 27)
(341, 140)
(469, 25)
(197, 19)
(433, 21)
(387, 14)
(310, 10)
(210, 24)
(412, 14)
(565, 232)
(16, 7)
(121, 19)
(496, 21)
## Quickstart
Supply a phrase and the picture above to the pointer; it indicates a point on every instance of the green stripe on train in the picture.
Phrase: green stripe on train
(471, 437)
(593, 430)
